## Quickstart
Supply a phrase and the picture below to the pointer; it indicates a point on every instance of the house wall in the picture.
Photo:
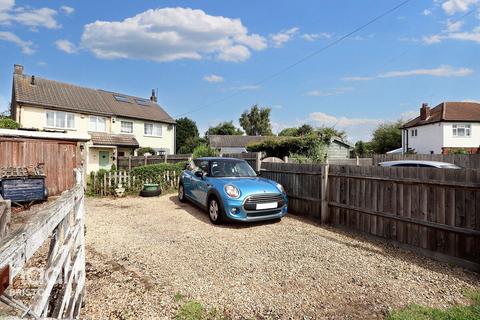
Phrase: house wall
(450, 141)
(93, 158)
(34, 117)
(435, 136)
(429, 138)
(166, 141)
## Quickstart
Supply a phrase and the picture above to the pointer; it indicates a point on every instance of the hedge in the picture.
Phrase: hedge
(311, 146)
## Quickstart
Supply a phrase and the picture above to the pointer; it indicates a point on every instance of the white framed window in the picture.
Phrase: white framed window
(462, 130)
(152, 129)
(98, 124)
(126, 127)
(414, 132)
(60, 120)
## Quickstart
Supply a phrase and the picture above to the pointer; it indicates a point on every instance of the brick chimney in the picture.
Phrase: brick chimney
(153, 97)
(424, 111)
(17, 69)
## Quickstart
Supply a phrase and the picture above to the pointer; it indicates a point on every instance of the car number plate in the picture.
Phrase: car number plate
(270, 205)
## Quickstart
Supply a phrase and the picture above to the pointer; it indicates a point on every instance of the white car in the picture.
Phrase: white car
(419, 164)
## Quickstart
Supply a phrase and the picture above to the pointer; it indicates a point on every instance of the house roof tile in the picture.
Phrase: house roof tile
(106, 139)
(449, 111)
(67, 97)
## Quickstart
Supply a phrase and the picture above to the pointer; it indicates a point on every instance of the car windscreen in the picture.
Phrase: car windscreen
(219, 168)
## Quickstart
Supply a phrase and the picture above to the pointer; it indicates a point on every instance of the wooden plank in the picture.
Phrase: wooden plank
(5, 218)
(18, 247)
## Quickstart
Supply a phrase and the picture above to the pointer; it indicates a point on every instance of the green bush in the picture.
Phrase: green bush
(154, 172)
(204, 151)
(8, 123)
(310, 146)
(458, 151)
(142, 151)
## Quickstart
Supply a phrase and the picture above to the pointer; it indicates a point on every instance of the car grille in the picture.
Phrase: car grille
(252, 201)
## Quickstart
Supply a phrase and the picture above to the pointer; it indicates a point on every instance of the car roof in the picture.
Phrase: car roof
(426, 162)
(219, 158)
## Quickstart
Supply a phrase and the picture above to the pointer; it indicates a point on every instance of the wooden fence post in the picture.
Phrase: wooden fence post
(258, 162)
(5, 216)
(166, 160)
(130, 163)
(325, 211)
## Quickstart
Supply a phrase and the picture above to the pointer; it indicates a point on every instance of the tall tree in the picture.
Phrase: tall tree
(327, 133)
(387, 137)
(226, 128)
(186, 135)
(303, 130)
(256, 121)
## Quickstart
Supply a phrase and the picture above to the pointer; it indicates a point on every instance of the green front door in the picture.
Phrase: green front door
(103, 159)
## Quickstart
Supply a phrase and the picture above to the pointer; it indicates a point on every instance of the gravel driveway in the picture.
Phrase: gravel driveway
(144, 255)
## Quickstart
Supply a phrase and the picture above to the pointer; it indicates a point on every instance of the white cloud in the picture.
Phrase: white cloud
(328, 93)
(473, 35)
(453, 26)
(453, 6)
(442, 71)
(213, 78)
(66, 46)
(356, 128)
(314, 36)
(26, 46)
(427, 12)
(330, 120)
(33, 18)
(284, 36)
(432, 39)
(170, 34)
(246, 87)
(358, 78)
(410, 114)
(67, 10)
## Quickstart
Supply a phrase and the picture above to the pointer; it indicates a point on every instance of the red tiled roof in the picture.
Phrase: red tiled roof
(449, 111)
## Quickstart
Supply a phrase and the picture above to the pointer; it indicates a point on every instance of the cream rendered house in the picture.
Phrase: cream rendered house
(118, 124)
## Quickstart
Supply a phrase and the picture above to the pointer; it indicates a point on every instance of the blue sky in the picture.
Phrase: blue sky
(200, 52)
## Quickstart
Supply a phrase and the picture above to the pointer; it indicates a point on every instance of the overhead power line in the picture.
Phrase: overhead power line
(301, 60)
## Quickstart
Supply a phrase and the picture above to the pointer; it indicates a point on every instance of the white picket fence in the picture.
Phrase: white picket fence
(105, 185)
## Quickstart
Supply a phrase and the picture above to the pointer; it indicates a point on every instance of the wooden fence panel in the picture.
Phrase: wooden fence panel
(303, 184)
(60, 158)
(469, 161)
(128, 163)
(253, 158)
(429, 209)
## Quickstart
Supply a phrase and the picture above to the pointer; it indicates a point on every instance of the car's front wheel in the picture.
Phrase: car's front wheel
(215, 212)
(181, 193)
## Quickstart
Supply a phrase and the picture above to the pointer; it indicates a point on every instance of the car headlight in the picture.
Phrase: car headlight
(280, 187)
(232, 191)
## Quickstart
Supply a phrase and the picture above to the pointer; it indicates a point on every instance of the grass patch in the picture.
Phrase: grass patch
(416, 312)
(178, 297)
(194, 310)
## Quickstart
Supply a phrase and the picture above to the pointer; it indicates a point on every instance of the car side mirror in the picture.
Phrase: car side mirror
(199, 174)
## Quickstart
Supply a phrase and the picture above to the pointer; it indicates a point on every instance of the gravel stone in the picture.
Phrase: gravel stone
(142, 252)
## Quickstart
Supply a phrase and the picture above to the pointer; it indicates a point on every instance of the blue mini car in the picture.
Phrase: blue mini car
(231, 190)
